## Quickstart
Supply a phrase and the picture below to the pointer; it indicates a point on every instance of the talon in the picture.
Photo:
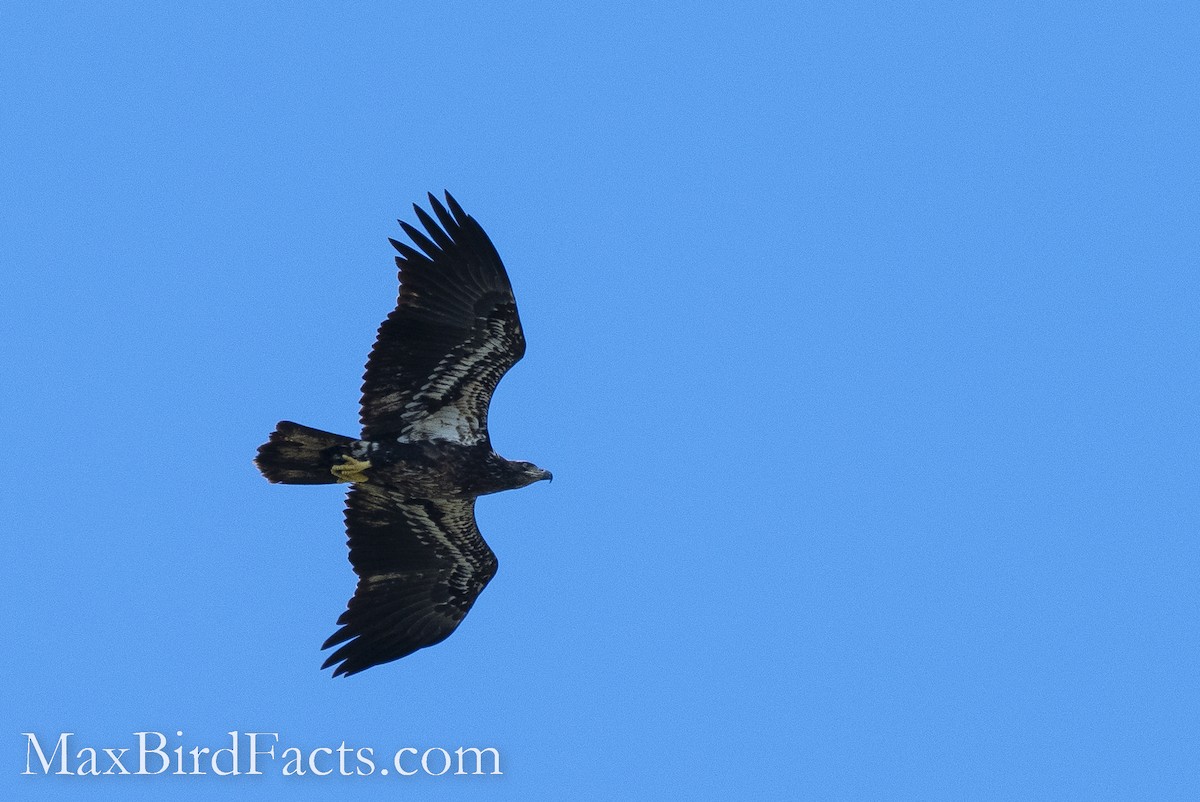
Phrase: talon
(350, 470)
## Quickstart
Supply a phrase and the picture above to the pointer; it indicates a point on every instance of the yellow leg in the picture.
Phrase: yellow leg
(350, 470)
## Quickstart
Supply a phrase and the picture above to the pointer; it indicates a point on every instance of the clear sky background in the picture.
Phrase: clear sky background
(862, 345)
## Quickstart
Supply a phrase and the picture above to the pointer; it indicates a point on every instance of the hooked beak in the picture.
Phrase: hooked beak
(546, 475)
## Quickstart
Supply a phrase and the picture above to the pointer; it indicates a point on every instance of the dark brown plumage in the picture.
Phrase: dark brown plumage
(424, 454)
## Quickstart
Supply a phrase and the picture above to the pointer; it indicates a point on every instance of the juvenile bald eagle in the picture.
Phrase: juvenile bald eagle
(424, 454)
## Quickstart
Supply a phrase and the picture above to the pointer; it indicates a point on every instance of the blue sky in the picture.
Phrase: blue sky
(862, 345)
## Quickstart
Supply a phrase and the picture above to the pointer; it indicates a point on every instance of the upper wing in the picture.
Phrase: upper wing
(421, 564)
(453, 334)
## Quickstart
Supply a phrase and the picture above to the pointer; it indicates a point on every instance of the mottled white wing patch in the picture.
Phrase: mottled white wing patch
(449, 424)
(449, 533)
(468, 375)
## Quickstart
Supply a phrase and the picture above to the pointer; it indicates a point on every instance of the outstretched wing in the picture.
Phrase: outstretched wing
(453, 334)
(421, 564)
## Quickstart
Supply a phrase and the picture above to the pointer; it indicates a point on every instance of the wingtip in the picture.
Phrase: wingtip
(341, 667)
(336, 663)
(455, 209)
(436, 204)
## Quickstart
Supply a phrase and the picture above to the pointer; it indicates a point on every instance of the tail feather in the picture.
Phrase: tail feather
(300, 455)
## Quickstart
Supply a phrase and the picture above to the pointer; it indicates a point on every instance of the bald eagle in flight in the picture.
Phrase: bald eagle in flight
(424, 454)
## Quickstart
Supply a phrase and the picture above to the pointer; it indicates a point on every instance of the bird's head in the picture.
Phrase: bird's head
(527, 473)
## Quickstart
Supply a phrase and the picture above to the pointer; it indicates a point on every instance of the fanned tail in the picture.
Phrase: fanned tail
(300, 455)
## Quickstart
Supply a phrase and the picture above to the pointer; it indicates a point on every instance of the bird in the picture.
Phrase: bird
(424, 454)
